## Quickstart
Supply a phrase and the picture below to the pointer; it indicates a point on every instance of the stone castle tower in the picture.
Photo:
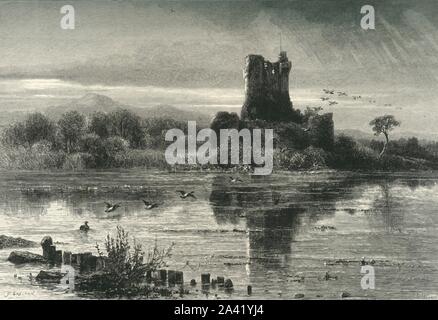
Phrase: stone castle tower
(267, 89)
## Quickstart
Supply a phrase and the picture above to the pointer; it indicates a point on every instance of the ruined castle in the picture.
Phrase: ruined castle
(267, 98)
(267, 89)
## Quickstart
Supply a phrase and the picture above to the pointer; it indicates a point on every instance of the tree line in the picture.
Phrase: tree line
(74, 128)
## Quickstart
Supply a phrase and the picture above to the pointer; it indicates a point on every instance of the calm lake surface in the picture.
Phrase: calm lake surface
(265, 232)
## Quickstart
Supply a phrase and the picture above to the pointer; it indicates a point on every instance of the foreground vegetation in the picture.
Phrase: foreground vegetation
(121, 139)
(126, 267)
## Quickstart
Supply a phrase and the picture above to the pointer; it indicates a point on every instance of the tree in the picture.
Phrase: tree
(71, 126)
(101, 125)
(310, 112)
(38, 127)
(128, 126)
(383, 125)
(225, 120)
(155, 131)
(15, 135)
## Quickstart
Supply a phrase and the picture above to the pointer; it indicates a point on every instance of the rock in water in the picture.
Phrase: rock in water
(11, 242)
(21, 257)
(49, 276)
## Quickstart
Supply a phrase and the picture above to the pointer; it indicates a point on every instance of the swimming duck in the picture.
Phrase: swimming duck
(85, 227)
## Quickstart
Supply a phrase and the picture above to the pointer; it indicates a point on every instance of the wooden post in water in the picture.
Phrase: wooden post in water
(100, 263)
(66, 258)
(58, 257)
(162, 277)
(46, 242)
(74, 259)
(205, 278)
(51, 254)
(220, 281)
(84, 263)
(179, 277)
(171, 279)
(249, 290)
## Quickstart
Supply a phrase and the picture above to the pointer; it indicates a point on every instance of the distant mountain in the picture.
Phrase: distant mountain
(92, 102)
(356, 134)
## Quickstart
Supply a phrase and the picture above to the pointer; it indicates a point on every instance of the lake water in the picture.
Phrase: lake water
(264, 232)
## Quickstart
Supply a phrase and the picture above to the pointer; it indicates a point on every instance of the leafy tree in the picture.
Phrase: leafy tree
(155, 131)
(311, 112)
(225, 120)
(383, 125)
(128, 126)
(101, 124)
(15, 135)
(38, 127)
(34, 128)
(92, 144)
(71, 126)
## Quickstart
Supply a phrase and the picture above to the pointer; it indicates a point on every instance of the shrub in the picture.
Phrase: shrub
(310, 158)
(78, 161)
(348, 154)
(126, 266)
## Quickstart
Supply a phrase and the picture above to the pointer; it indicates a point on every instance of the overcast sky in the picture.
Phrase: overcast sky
(202, 44)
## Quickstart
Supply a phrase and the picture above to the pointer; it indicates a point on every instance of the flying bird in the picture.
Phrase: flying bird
(110, 207)
(327, 91)
(236, 179)
(340, 94)
(186, 194)
(149, 205)
(324, 98)
(356, 97)
(332, 103)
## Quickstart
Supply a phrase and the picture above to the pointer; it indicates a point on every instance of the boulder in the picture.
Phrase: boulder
(49, 276)
(21, 257)
(11, 242)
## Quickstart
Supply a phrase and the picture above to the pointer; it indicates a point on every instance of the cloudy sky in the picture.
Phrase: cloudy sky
(142, 52)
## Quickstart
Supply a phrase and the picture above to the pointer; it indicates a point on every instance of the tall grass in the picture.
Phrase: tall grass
(42, 159)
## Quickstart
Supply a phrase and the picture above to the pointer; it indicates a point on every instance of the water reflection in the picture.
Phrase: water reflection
(269, 222)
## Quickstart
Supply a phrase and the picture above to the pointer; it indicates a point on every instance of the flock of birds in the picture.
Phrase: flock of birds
(332, 102)
(149, 205)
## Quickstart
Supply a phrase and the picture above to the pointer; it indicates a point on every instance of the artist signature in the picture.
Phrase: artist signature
(19, 293)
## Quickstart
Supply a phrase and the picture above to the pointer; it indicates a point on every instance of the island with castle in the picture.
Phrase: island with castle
(306, 139)
(268, 105)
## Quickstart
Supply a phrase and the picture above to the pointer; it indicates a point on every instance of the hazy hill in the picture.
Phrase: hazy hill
(92, 102)
(361, 135)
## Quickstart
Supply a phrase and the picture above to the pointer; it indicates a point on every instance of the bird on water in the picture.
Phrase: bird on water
(85, 227)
